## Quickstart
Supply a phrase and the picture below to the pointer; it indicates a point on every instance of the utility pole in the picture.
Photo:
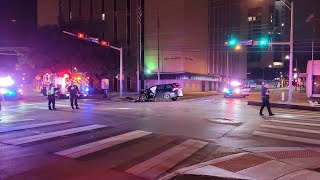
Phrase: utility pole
(158, 24)
(291, 8)
(291, 55)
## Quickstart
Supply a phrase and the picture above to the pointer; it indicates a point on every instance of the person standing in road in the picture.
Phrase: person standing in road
(74, 93)
(265, 93)
(51, 97)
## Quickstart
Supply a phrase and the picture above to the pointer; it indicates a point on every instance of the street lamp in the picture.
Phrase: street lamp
(290, 6)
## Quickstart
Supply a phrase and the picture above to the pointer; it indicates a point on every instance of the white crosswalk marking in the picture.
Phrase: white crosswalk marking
(44, 136)
(292, 125)
(295, 123)
(291, 129)
(16, 128)
(102, 144)
(159, 164)
(287, 137)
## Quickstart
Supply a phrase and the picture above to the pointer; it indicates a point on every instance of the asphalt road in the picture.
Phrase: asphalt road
(126, 140)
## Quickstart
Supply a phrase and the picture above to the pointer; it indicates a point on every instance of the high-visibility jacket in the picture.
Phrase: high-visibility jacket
(50, 91)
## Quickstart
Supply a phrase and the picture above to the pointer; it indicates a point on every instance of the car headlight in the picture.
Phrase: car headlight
(226, 90)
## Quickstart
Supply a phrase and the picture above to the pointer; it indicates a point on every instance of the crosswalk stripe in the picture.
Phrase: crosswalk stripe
(102, 144)
(291, 129)
(39, 137)
(22, 120)
(287, 137)
(167, 159)
(169, 163)
(32, 126)
(296, 111)
(297, 116)
(295, 123)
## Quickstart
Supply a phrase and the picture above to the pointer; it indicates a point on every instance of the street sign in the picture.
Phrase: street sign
(38, 77)
(246, 43)
(95, 40)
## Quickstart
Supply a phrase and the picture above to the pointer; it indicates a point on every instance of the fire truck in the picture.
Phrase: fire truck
(62, 81)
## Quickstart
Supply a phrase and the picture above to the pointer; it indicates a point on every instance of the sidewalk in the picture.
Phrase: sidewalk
(282, 163)
(300, 100)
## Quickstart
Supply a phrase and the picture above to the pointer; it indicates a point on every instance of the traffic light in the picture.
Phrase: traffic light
(232, 42)
(263, 42)
(82, 36)
(105, 43)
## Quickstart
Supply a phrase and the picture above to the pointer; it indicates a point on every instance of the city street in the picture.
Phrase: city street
(127, 140)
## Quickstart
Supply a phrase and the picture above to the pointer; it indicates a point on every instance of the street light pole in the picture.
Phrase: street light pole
(158, 24)
(121, 68)
(112, 47)
(291, 55)
(286, 3)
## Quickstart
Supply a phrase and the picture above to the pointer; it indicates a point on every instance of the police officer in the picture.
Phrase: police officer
(265, 93)
(51, 97)
(74, 93)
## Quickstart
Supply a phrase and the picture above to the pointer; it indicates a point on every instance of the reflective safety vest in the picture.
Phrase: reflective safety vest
(51, 91)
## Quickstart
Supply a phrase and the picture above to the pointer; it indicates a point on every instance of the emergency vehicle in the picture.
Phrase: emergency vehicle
(62, 81)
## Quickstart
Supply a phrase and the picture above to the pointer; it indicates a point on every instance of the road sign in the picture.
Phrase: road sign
(246, 43)
(38, 77)
(95, 40)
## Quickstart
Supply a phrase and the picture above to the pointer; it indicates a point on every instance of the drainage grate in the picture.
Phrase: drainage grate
(293, 154)
(240, 163)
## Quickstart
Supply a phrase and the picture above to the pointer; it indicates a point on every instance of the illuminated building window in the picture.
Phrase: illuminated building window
(103, 16)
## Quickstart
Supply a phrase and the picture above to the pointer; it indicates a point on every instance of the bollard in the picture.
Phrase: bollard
(282, 96)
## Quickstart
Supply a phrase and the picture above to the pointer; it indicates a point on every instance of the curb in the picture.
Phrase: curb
(286, 106)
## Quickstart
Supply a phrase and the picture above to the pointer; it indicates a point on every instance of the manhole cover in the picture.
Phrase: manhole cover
(225, 121)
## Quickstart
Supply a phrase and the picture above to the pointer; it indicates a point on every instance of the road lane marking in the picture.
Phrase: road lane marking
(3, 130)
(287, 137)
(294, 123)
(10, 121)
(291, 129)
(102, 144)
(44, 136)
(159, 164)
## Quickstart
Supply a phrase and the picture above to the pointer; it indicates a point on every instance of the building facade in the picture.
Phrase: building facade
(187, 38)
(182, 40)
(112, 20)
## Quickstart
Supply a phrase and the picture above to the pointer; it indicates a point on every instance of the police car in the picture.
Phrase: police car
(235, 89)
(9, 89)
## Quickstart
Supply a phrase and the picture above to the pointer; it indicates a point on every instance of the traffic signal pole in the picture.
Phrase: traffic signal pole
(103, 43)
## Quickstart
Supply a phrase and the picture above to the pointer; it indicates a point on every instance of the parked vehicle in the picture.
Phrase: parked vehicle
(167, 92)
(235, 89)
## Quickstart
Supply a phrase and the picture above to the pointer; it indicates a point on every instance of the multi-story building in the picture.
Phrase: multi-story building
(189, 41)
(182, 39)
(224, 24)
(112, 20)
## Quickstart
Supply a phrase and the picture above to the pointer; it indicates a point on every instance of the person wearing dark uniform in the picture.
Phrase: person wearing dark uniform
(51, 97)
(265, 93)
(74, 93)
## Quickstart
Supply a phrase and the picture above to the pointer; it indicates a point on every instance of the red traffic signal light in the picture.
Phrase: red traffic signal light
(105, 43)
(82, 36)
